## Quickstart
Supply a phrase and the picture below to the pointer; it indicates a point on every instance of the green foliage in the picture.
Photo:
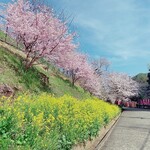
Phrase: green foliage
(141, 78)
(2, 35)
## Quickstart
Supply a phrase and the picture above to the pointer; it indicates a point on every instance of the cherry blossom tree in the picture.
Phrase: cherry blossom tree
(80, 71)
(93, 84)
(41, 32)
(121, 85)
(44, 35)
(75, 64)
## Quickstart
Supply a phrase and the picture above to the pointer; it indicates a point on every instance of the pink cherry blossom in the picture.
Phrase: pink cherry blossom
(42, 34)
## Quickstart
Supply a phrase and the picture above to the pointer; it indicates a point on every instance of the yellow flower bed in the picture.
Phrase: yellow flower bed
(46, 122)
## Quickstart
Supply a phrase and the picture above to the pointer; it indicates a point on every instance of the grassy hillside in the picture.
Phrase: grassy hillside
(141, 78)
(13, 74)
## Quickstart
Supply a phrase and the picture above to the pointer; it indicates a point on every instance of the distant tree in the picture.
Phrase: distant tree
(100, 65)
(93, 84)
(121, 85)
(148, 76)
(80, 71)
(41, 32)
(141, 78)
(75, 64)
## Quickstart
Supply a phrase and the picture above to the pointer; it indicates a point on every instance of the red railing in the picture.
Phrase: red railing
(143, 103)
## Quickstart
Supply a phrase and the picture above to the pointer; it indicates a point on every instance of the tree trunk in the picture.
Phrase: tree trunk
(6, 34)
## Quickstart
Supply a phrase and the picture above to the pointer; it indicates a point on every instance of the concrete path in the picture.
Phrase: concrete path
(132, 132)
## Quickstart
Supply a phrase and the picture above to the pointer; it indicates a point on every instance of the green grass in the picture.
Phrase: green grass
(9, 40)
(12, 72)
(2, 35)
(61, 87)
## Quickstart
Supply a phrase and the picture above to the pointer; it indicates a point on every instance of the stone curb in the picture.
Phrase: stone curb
(97, 142)
(107, 132)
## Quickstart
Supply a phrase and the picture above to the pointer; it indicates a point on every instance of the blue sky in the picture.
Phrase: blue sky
(116, 29)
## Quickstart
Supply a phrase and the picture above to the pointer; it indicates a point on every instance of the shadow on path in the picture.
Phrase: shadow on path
(135, 109)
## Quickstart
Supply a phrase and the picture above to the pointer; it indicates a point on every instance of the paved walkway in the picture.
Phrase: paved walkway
(132, 132)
